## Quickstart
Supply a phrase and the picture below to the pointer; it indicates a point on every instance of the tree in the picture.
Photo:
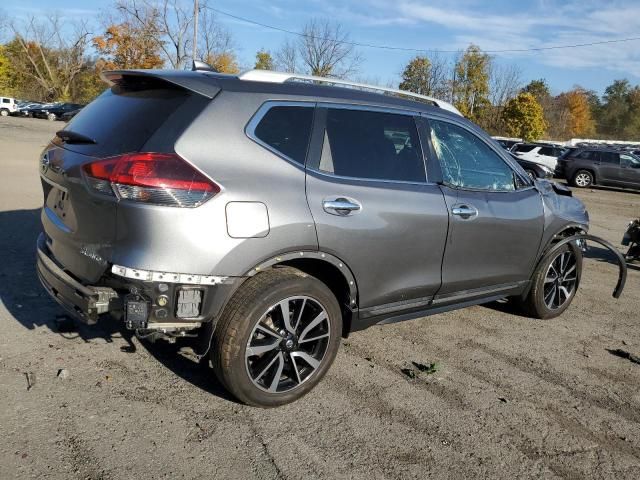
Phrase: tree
(425, 76)
(174, 32)
(128, 46)
(615, 108)
(504, 83)
(471, 83)
(216, 43)
(581, 122)
(539, 89)
(264, 61)
(7, 73)
(523, 117)
(287, 57)
(224, 62)
(49, 55)
(323, 49)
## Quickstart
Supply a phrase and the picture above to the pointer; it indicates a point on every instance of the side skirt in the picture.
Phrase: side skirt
(382, 315)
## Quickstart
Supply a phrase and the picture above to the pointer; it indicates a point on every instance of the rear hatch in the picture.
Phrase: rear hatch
(138, 113)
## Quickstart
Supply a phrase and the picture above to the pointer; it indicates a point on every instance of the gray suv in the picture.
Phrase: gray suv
(273, 214)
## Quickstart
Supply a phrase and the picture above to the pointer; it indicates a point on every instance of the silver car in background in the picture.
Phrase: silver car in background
(274, 214)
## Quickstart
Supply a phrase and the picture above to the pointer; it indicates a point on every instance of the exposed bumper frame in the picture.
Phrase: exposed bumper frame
(84, 302)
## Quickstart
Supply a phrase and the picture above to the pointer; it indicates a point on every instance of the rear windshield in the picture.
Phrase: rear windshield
(122, 119)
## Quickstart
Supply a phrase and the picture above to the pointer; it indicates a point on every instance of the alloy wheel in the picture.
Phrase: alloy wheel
(287, 344)
(560, 280)
(583, 179)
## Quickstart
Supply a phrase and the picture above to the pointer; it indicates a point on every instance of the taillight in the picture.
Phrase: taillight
(156, 178)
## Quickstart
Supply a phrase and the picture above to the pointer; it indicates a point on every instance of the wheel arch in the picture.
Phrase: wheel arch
(327, 268)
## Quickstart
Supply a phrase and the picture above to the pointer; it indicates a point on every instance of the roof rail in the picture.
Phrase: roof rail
(282, 77)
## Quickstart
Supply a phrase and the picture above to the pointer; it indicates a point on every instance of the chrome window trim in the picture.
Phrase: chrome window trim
(369, 108)
(250, 128)
(364, 179)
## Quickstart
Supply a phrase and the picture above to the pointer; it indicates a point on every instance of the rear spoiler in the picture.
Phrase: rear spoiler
(198, 82)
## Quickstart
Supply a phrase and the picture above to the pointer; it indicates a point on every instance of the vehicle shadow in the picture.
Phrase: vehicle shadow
(29, 304)
(605, 255)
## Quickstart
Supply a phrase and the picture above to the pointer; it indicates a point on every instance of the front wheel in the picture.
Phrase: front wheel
(4, 112)
(554, 284)
(51, 117)
(277, 337)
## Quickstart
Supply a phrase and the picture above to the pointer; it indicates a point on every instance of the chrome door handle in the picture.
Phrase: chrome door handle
(340, 206)
(465, 211)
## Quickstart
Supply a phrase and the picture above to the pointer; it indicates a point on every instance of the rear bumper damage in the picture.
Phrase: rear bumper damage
(146, 301)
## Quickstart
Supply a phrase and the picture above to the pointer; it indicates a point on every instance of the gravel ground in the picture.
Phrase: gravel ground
(510, 398)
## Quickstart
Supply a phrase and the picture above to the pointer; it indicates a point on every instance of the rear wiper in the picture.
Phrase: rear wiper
(69, 136)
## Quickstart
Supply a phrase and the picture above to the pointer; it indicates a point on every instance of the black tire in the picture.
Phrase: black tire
(4, 112)
(257, 300)
(582, 179)
(531, 174)
(534, 304)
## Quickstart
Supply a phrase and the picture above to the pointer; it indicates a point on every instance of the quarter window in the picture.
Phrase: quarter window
(372, 145)
(287, 129)
(629, 161)
(468, 162)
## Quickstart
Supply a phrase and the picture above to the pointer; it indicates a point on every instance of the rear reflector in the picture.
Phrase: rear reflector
(155, 178)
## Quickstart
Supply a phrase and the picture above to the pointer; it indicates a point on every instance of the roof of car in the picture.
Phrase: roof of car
(210, 83)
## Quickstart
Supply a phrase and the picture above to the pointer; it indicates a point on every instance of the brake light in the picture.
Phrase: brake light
(156, 178)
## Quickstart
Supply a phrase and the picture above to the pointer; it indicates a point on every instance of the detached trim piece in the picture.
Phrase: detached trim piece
(622, 264)
(168, 277)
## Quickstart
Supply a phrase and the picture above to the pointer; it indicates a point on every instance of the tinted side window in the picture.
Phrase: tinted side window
(287, 129)
(467, 161)
(546, 151)
(609, 157)
(376, 145)
(587, 155)
(524, 148)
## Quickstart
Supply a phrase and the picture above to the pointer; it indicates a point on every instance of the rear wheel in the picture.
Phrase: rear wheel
(554, 284)
(583, 179)
(51, 117)
(277, 338)
(531, 174)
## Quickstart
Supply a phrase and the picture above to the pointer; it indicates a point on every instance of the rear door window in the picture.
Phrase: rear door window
(287, 129)
(372, 145)
(610, 158)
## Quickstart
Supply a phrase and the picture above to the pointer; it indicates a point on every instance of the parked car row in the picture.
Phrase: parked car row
(584, 167)
(50, 111)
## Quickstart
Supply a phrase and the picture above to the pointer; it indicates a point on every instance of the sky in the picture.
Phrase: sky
(433, 25)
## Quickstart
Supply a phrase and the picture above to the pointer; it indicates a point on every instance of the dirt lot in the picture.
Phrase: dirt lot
(511, 397)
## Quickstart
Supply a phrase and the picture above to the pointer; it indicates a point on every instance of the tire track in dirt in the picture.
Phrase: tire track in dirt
(607, 443)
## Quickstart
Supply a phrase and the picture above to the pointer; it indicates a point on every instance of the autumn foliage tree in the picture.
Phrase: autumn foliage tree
(264, 61)
(580, 122)
(471, 83)
(523, 117)
(127, 46)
